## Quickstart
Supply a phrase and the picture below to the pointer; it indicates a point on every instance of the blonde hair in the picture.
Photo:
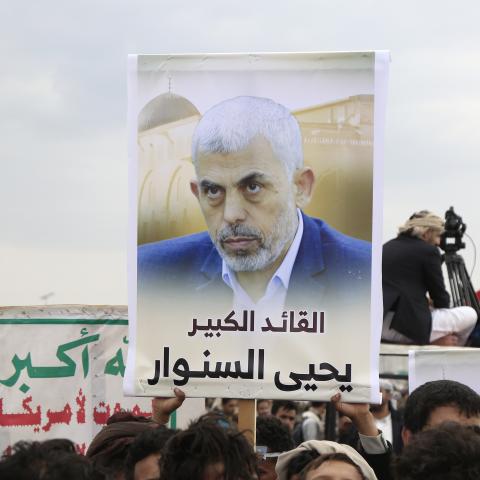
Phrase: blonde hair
(421, 222)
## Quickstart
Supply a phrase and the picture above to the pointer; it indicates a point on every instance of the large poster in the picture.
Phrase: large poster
(255, 224)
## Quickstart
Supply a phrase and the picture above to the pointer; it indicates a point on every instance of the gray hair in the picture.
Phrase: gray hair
(420, 222)
(233, 124)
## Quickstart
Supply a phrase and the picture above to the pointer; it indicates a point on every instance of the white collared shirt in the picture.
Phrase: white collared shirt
(385, 425)
(273, 301)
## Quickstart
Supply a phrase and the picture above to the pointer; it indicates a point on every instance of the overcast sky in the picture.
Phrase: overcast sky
(63, 177)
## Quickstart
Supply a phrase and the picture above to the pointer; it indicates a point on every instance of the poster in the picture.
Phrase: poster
(255, 224)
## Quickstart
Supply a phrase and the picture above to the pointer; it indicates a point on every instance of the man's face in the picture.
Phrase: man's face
(266, 469)
(449, 413)
(263, 407)
(214, 471)
(248, 202)
(230, 408)
(432, 237)
(287, 417)
(147, 468)
(439, 415)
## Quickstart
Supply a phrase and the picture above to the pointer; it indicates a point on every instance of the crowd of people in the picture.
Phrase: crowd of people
(435, 434)
(431, 434)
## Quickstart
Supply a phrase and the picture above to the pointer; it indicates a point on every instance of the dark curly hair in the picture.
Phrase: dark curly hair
(189, 453)
(273, 434)
(147, 443)
(447, 452)
(285, 404)
(49, 460)
(439, 393)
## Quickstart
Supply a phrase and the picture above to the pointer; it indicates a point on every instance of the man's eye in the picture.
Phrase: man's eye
(253, 188)
(213, 192)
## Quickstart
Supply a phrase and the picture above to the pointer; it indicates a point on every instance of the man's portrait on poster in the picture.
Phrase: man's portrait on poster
(261, 250)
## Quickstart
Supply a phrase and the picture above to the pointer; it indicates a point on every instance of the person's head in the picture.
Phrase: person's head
(110, 446)
(247, 153)
(217, 418)
(299, 462)
(439, 401)
(424, 225)
(206, 451)
(59, 445)
(229, 406)
(446, 452)
(50, 460)
(322, 448)
(275, 436)
(26, 461)
(333, 466)
(285, 411)
(318, 407)
(264, 407)
(144, 454)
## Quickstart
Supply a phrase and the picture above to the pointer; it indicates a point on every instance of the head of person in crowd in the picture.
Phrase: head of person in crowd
(318, 407)
(286, 412)
(229, 407)
(264, 407)
(424, 225)
(59, 445)
(299, 462)
(50, 460)
(446, 452)
(439, 401)
(333, 466)
(321, 448)
(206, 451)
(219, 419)
(110, 446)
(142, 462)
(248, 158)
(273, 438)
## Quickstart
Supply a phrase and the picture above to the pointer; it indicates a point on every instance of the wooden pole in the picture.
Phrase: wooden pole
(247, 416)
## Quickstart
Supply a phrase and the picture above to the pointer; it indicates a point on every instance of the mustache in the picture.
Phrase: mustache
(238, 230)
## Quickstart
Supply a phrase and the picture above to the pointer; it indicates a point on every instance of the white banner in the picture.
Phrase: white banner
(255, 224)
(459, 364)
(61, 371)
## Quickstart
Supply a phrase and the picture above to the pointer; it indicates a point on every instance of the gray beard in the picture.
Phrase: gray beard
(270, 248)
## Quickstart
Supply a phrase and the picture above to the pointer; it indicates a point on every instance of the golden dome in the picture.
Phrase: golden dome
(163, 109)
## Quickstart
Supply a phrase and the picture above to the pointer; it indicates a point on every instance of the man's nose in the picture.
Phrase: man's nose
(234, 211)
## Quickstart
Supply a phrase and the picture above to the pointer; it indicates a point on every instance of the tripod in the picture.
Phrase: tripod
(462, 290)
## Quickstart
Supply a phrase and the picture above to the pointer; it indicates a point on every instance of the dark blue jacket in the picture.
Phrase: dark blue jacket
(328, 262)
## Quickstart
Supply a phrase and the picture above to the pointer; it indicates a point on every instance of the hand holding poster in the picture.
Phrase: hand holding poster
(254, 222)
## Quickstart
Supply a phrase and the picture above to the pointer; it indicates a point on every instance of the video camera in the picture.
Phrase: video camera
(451, 240)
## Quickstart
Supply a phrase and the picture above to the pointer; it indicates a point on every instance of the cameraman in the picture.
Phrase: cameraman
(412, 267)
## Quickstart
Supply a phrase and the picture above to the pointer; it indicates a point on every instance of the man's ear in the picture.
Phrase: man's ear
(406, 435)
(194, 188)
(304, 180)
